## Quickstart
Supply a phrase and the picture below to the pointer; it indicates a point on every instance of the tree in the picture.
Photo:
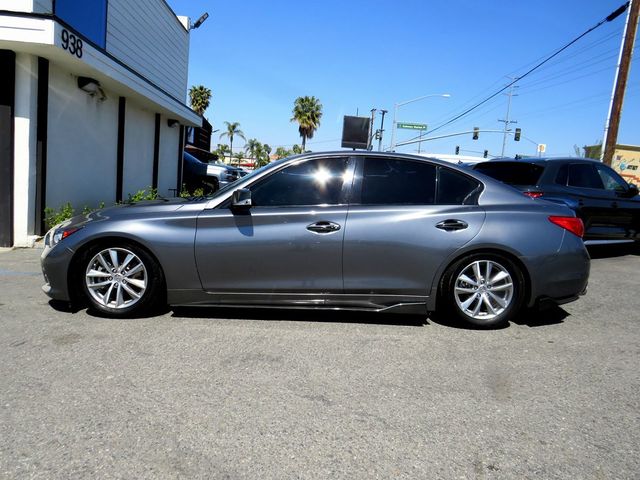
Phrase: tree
(252, 148)
(200, 97)
(232, 130)
(307, 112)
(282, 152)
(262, 157)
(239, 156)
(297, 150)
(222, 151)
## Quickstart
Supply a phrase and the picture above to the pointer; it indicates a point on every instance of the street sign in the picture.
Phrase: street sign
(542, 147)
(412, 126)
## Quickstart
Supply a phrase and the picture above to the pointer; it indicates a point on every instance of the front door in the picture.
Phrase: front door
(289, 241)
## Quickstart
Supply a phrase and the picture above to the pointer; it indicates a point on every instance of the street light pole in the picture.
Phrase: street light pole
(395, 114)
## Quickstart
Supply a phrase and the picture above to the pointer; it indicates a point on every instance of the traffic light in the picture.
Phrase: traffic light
(457, 150)
(476, 131)
(516, 137)
(486, 153)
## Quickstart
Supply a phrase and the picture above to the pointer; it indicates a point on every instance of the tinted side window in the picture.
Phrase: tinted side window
(584, 176)
(563, 175)
(512, 173)
(314, 182)
(455, 188)
(398, 182)
(611, 180)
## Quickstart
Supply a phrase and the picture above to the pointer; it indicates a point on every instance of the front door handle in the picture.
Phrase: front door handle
(323, 227)
(452, 225)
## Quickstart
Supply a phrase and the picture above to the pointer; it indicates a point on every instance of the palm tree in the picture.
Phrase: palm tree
(252, 148)
(233, 129)
(282, 152)
(222, 151)
(307, 112)
(297, 150)
(200, 96)
(239, 157)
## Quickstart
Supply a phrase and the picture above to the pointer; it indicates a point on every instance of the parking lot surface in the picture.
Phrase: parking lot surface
(224, 393)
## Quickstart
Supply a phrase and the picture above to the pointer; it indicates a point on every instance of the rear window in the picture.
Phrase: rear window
(512, 173)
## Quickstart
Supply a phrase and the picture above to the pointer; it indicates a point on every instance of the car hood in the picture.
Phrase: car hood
(141, 209)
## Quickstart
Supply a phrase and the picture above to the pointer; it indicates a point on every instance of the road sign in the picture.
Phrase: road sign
(542, 147)
(412, 126)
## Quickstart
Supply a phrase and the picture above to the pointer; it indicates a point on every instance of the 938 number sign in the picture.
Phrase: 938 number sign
(71, 43)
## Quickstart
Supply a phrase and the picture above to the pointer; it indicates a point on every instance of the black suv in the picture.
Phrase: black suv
(608, 206)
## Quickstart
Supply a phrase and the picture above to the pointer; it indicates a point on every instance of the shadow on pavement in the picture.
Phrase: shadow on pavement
(326, 316)
(533, 317)
(528, 317)
(610, 251)
(64, 307)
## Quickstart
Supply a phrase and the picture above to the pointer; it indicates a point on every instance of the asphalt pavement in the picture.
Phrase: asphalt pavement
(235, 394)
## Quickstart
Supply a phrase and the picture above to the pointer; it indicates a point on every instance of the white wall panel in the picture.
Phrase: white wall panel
(168, 161)
(26, 100)
(82, 144)
(139, 137)
(148, 37)
(27, 6)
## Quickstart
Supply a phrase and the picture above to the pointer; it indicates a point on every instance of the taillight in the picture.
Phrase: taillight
(573, 224)
(534, 194)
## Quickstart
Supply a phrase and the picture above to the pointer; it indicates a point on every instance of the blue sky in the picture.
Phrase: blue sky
(354, 55)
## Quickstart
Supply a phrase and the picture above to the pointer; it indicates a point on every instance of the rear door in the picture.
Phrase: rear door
(596, 205)
(405, 218)
(625, 209)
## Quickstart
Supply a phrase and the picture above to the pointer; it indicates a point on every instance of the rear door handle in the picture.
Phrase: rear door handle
(452, 225)
(323, 227)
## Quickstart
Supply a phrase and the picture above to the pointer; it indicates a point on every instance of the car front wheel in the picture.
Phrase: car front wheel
(483, 290)
(121, 280)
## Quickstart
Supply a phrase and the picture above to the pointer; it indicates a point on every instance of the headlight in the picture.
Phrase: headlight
(56, 234)
(212, 170)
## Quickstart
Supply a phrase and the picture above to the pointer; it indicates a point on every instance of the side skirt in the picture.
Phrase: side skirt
(407, 304)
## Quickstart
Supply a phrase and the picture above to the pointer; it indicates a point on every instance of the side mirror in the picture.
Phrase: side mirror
(241, 198)
(633, 190)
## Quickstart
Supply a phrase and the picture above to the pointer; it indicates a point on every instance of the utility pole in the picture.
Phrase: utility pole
(373, 118)
(383, 112)
(620, 83)
(507, 121)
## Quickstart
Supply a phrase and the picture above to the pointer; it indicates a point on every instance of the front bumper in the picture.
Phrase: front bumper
(55, 264)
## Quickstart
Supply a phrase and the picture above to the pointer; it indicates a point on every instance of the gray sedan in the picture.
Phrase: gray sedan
(339, 230)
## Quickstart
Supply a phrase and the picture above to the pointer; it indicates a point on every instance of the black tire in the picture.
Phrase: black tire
(125, 283)
(449, 297)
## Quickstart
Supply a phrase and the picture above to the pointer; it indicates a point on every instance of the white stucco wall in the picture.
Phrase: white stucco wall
(138, 149)
(82, 144)
(168, 161)
(25, 125)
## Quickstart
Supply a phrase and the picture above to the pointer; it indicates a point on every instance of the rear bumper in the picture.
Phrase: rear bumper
(563, 277)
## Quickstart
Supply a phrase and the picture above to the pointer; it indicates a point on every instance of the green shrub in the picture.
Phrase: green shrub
(198, 192)
(141, 195)
(53, 217)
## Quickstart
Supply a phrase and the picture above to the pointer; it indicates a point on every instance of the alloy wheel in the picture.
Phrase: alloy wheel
(483, 290)
(116, 278)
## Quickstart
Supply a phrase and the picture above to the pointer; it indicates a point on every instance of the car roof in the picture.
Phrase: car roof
(371, 154)
(541, 160)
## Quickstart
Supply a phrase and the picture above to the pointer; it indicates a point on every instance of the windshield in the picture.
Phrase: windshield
(243, 180)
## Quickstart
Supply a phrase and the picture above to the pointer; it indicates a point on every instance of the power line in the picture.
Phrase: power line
(608, 18)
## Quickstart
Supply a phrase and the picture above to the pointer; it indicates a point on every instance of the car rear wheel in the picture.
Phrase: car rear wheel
(483, 290)
(121, 280)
